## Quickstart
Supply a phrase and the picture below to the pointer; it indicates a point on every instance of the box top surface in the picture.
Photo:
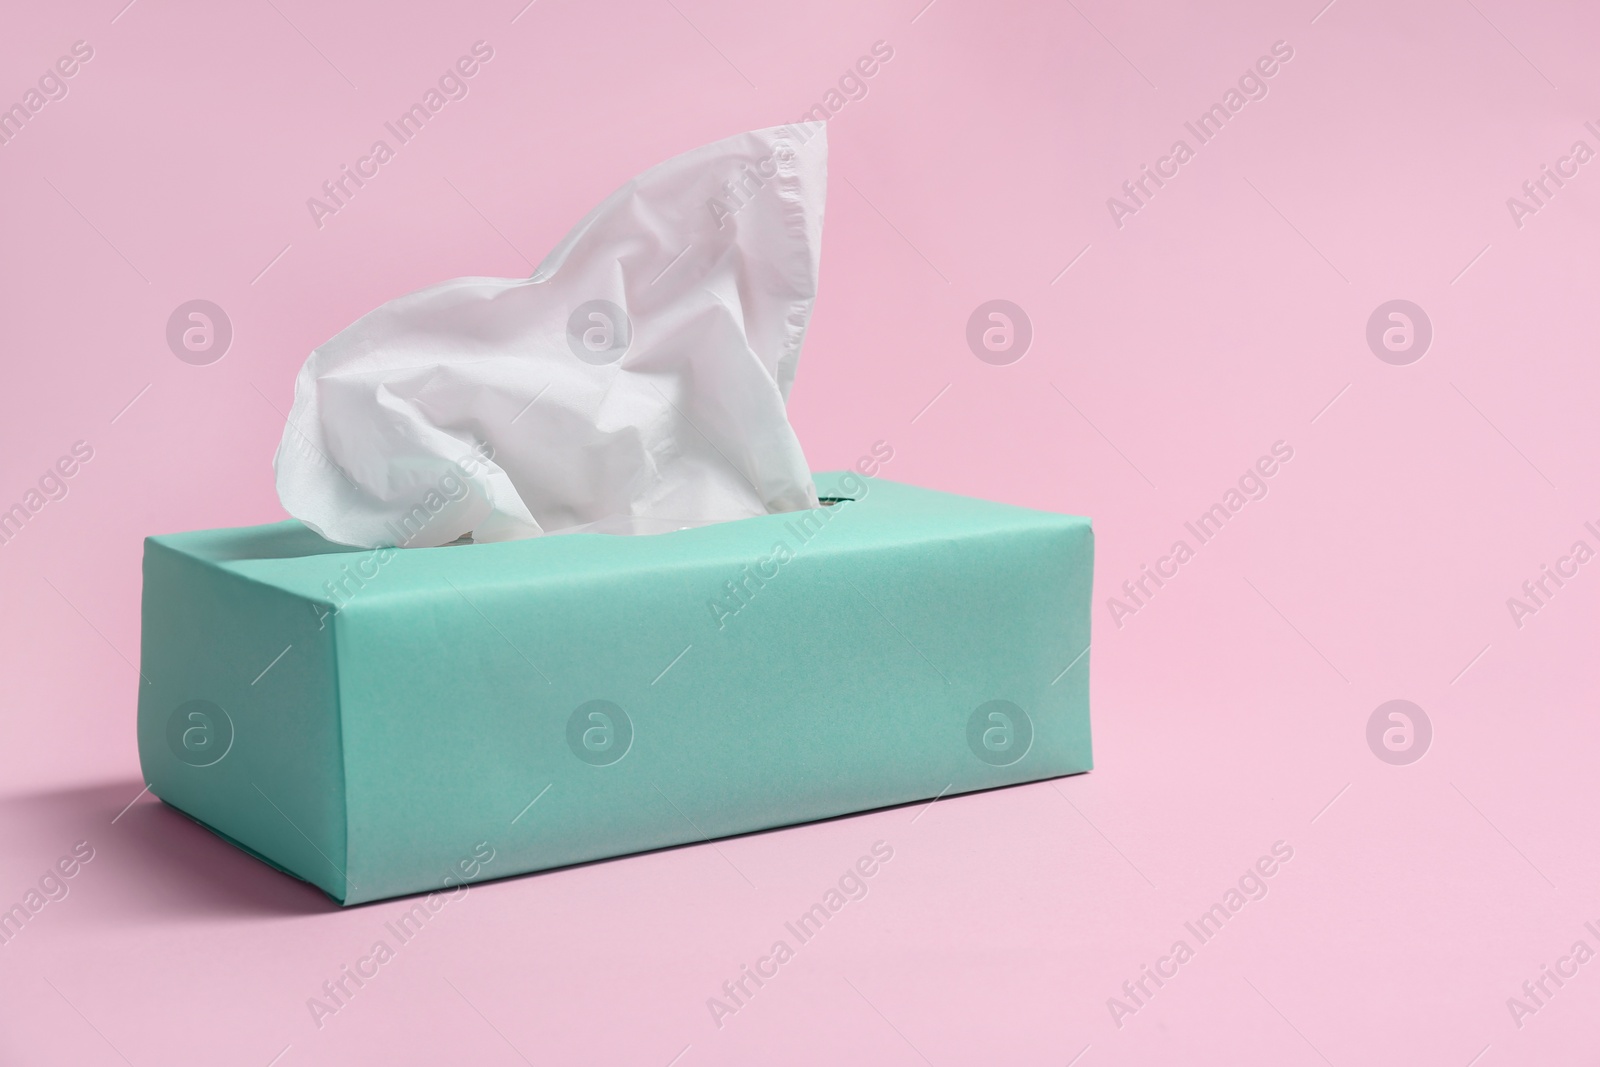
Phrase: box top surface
(877, 514)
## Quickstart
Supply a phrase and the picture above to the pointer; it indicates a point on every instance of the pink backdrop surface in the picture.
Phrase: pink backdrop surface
(1174, 342)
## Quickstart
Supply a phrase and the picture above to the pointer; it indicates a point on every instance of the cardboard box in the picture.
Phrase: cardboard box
(367, 719)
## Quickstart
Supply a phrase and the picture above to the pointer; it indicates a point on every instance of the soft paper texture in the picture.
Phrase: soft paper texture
(635, 383)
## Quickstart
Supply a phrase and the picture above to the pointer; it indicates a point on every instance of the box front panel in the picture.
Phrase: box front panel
(828, 672)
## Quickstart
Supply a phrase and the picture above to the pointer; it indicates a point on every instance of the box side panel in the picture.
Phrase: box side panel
(238, 725)
(597, 718)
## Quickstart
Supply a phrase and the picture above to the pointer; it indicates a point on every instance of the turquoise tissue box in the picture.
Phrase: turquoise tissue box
(378, 721)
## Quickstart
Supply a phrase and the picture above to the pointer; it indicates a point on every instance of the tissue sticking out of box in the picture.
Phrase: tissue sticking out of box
(635, 383)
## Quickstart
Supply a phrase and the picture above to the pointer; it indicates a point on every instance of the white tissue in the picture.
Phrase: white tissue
(634, 384)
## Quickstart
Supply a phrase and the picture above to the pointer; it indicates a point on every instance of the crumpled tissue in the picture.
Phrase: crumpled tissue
(635, 383)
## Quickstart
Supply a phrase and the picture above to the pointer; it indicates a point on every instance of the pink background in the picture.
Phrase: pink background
(1227, 314)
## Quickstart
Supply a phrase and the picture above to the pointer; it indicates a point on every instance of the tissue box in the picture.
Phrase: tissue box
(383, 722)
